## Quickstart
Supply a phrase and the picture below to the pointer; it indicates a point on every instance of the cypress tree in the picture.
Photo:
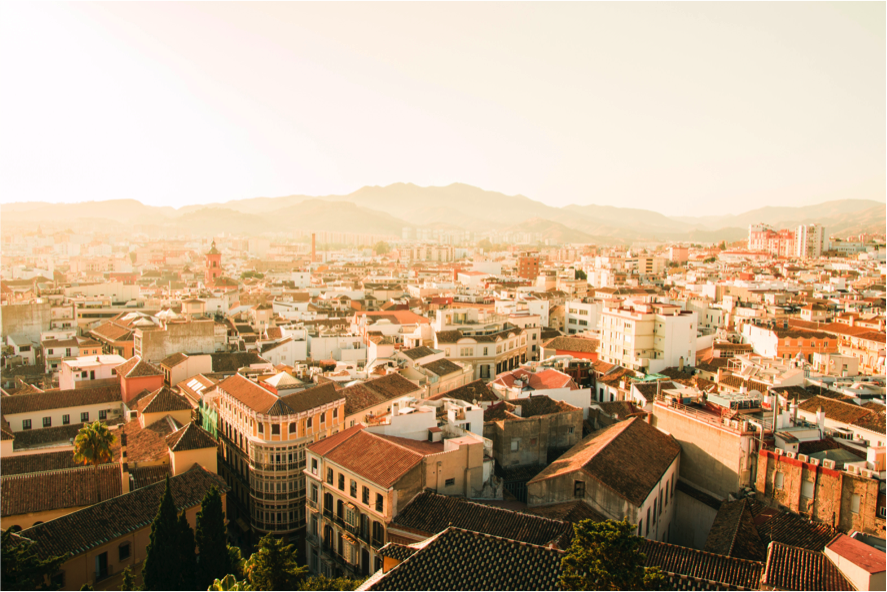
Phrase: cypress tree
(187, 558)
(214, 562)
(162, 561)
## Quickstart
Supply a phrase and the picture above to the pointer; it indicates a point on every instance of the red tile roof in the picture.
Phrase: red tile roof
(371, 456)
(249, 393)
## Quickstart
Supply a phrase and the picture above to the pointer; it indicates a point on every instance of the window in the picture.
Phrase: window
(124, 551)
(323, 417)
(486, 351)
(47, 422)
(449, 482)
(641, 527)
(292, 428)
(648, 522)
(380, 502)
(353, 489)
(854, 503)
(308, 423)
(103, 414)
(485, 371)
(807, 489)
(341, 482)
(314, 466)
(365, 495)
(261, 428)
(579, 489)
(778, 480)
(275, 429)
(329, 476)
(515, 444)
(26, 424)
(335, 413)
(84, 417)
(66, 419)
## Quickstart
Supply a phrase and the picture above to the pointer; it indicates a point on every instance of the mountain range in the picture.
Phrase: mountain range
(387, 210)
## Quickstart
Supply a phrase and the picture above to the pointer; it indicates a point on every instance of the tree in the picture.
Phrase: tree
(606, 556)
(210, 538)
(273, 566)
(381, 248)
(485, 244)
(161, 560)
(186, 570)
(92, 446)
(723, 246)
(21, 567)
(580, 275)
(321, 582)
(129, 581)
(236, 562)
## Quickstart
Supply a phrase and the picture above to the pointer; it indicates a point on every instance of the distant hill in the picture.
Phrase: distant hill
(387, 210)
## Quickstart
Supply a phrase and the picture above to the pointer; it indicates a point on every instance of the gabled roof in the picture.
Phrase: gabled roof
(628, 457)
(249, 393)
(313, 397)
(458, 559)
(190, 437)
(416, 353)
(430, 513)
(706, 568)
(733, 533)
(376, 391)
(108, 392)
(59, 489)
(174, 360)
(20, 464)
(442, 367)
(371, 456)
(164, 400)
(473, 391)
(136, 367)
(793, 568)
(90, 527)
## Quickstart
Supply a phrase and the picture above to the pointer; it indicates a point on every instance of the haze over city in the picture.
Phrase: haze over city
(684, 109)
(450, 296)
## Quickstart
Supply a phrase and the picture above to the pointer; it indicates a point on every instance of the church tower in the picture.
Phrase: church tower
(213, 266)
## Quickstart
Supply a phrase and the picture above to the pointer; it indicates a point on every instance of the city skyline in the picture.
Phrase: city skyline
(679, 109)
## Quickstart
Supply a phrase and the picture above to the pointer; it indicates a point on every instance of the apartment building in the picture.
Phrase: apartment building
(581, 316)
(264, 437)
(488, 342)
(810, 241)
(647, 336)
(528, 266)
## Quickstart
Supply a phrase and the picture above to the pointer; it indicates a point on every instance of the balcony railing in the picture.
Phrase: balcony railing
(103, 574)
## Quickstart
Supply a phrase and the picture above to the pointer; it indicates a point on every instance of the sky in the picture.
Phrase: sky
(686, 109)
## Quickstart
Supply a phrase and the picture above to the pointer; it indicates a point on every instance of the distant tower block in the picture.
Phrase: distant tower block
(213, 266)
(313, 244)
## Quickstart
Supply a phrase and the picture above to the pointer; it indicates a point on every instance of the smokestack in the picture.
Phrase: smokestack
(312, 248)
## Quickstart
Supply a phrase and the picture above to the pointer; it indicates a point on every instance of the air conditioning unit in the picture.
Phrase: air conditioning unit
(828, 464)
(779, 452)
(853, 469)
(868, 473)
(814, 462)
(802, 457)
(789, 454)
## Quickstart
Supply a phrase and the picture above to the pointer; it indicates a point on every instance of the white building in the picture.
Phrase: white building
(810, 241)
(74, 373)
(647, 336)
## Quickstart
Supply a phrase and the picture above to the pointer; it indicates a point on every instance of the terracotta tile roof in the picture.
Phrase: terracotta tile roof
(835, 410)
(56, 490)
(323, 446)
(442, 367)
(728, 572)
(46, 437)
(430, 513)
(542, 380)
(858, 553)
(108, 392)
(110, 331)
(619, 409)
(484, 562)
(416, 353)
(614, 377)
(649, 389)
(423, 447)
(37, 463)
(144, 476)
(311, 398)
(377, 391)
(146, 444)
(5, 430)
(790, 529)
(471, 392)
(629, 457)
(373, 457)
(190, 437)
(733, 533)
(583, 345)
(90, 527)
(249, 393)
(793, 568)
(173, 360)
(873, 422)
(136, 367)
(572, 512)
(163, 400)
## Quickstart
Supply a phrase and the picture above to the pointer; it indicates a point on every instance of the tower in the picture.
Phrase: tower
(213, 266)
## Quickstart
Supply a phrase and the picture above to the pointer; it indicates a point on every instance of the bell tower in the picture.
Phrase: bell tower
(213, 266)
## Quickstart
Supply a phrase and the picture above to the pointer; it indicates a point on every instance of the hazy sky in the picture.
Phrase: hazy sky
(686, 108)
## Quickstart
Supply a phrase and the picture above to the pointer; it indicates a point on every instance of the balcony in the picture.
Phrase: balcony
(104, 574)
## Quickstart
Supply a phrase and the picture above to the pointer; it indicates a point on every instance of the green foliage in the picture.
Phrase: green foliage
(709, 260)
(210, 538)
(159, 571)
(92, 446)
(381, 248)
(321, 582)
(723, 245)
(485, 244)
(229, 582)
(186, 567)
(129, 581)
(580, 275)
(86, 587)
(21, 567)
(606, 556)
(252, 274)
(273, 566)
(236, 561)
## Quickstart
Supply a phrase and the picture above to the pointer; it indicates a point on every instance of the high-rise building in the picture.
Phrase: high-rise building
(809, 241)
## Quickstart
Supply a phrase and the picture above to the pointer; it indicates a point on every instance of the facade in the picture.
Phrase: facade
(212, 265)
(528, 266)
(264, 438)
(810, 241)
(648, 336)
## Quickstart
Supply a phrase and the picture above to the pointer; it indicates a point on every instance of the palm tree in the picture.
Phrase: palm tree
(92, 446)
